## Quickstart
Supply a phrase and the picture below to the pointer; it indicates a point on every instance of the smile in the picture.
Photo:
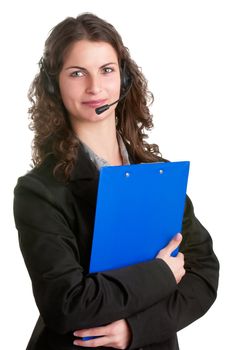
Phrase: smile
(94, 103)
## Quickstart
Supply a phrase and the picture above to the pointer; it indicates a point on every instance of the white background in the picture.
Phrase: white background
(185, 51)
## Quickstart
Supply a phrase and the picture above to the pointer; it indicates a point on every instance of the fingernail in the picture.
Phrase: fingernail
(76, 334)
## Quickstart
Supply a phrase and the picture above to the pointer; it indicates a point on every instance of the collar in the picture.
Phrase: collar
(101, 162)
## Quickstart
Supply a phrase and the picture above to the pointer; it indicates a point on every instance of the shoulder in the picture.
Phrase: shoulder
(40, 181)
(39, 198)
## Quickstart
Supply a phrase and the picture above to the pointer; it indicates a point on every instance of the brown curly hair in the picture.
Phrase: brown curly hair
(49, 119)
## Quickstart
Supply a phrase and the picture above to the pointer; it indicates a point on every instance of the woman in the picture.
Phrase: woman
(85, 66)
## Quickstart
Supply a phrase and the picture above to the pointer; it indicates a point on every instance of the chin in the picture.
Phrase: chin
(98, 117)
(92, 116)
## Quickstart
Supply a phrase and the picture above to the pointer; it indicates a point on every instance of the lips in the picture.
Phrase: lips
(94, 103)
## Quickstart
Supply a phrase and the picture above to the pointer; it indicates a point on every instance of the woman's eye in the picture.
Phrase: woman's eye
(107, 69)
(77, 73)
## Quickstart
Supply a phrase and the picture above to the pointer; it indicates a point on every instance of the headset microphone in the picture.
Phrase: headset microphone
(104, 108)
(101, 109)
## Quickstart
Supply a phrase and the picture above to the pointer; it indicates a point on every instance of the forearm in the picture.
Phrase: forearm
(190, 301)
(105, 297)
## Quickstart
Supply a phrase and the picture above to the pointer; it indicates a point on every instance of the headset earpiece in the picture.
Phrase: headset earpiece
(50, 86)
(126, 79)
(48, 82)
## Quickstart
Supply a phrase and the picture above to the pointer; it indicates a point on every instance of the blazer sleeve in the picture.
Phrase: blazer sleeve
(67, 298)
(194, 294)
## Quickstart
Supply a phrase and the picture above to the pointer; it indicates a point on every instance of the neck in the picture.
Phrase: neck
(102, 139)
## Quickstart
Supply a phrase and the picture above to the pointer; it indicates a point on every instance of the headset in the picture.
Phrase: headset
(51, 85)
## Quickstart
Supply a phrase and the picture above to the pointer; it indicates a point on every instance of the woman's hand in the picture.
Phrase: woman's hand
(176, 264)
(116, 335)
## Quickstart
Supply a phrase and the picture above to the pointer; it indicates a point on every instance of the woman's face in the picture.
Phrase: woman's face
(90, 78)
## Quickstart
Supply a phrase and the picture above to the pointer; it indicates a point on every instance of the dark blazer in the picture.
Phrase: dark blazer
(55, 225)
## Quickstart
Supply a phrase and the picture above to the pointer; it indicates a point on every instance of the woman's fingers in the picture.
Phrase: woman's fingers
(176, 263)
(173, 244)
(116, 334)
(91, 332)
(92, 343)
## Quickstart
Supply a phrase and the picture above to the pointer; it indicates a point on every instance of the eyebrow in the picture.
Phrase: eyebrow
(83, 68)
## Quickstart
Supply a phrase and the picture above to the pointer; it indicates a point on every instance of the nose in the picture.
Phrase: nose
(93, 85)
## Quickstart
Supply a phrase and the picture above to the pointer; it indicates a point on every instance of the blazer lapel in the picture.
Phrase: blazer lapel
(84, 178)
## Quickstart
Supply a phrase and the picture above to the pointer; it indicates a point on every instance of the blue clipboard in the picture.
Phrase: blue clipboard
(139, 209)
